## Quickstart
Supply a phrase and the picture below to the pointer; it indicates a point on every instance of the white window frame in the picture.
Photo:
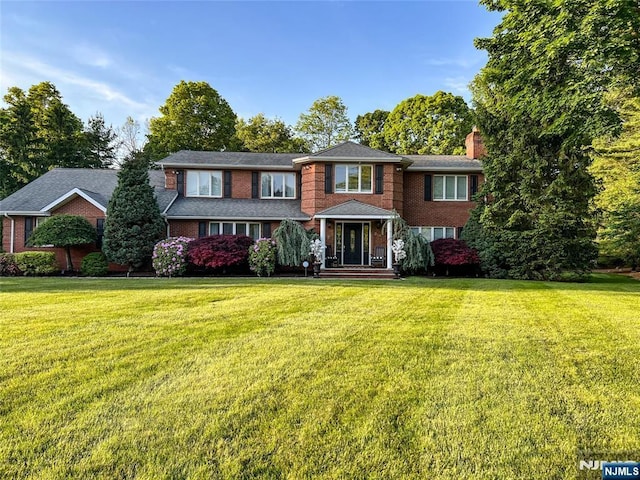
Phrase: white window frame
(235, 228)
(272, 180)
(441, 196)
(191, 174)
(430, 232)
(346, 167)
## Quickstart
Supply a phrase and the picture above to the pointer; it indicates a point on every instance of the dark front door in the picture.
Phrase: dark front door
(352, 241)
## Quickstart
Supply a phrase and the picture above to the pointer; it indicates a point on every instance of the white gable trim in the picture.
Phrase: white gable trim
(67, 197)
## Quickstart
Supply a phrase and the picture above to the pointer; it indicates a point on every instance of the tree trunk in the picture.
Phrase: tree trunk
(69, 264)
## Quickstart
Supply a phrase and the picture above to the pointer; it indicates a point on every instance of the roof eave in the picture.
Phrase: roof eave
(234, 218)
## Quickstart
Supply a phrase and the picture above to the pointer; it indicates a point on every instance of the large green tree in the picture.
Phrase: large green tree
(429, 125)
(194, 117)
(134, 223)
(616, 167)
(369, 129)
(261, 134)
(64, 231)
(101, 143)
(325, 124)
(540, 101)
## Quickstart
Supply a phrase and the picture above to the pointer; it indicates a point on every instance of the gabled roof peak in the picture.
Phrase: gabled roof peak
(353, 149)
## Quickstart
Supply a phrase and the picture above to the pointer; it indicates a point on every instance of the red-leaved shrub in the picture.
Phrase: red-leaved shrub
(220, 251)
(453, 252)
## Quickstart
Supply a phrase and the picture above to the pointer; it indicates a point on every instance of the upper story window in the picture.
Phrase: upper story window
(353, 179)
(450, 187)
(204, 183)
(278, 185)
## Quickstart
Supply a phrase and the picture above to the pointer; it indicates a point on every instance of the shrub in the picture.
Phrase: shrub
(8, 265)
(37, 263)
(262, 257)
(450, 252)
(220, 252)
(170, 256)
(95, 265)
(293, 242)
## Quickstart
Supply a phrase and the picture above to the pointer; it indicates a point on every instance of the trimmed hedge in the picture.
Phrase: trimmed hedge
(94, 265)
(37, 263)
(8, 265)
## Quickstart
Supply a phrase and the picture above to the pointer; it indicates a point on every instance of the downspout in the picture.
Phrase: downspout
(13, 229)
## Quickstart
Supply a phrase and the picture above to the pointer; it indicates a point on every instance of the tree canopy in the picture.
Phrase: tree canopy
(261, 134)
(64, 231)
(194, 117)
(134, 223)
(429, 125)
(369, 129)
(325, 124)
(540, 101)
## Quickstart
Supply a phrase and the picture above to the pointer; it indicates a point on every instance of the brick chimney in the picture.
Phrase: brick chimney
(475, 147)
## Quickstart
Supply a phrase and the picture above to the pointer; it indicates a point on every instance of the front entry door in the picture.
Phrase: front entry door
(352, 241)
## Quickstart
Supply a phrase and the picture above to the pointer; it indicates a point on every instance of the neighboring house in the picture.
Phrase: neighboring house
(345, 192)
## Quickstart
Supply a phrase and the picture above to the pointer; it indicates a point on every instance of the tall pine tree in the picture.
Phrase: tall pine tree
(540, 101)
(134, 223)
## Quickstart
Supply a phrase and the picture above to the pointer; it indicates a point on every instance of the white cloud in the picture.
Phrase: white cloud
(459, 85)
(92, 56)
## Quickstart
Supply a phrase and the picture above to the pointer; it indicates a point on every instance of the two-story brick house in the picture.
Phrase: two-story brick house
(346, 193)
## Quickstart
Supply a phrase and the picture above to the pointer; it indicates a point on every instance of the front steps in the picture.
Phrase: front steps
(347, 273)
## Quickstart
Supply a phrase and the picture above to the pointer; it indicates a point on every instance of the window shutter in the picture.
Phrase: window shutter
(99, 232)
(266, 230)
(28, 229)
(180, 182)
(299, 186)
(459, 232)
(255, 189)
(427, 188)
(473, 185)
(202, 229)
(379, 179)
(328, 178)
(227, 184)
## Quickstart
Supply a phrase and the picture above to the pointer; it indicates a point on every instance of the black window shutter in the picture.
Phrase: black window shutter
(28, 229)
(202, 229)
(459, 232)
(255, 192)
(99, 232)
(328, 178)
(180, 182)
(266, 230)
(299, 186)
(379, 179)
(427, 188)
(227, 184)
(473, 187)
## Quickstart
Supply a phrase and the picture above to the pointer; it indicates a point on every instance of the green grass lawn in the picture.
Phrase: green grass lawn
(296, 378)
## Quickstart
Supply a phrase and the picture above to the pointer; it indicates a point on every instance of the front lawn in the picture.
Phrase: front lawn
(296, 378)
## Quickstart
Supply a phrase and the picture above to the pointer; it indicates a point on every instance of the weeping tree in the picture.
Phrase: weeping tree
(419, 254)
(292, 242)
(64, 231)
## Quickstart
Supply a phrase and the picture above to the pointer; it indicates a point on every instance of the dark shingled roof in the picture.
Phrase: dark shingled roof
(189, 158)
(355, 150)
(356, 209)
(236, 209)
(444, 162)
(95, 183)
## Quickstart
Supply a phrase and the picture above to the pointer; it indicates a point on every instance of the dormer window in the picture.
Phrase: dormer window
(278, 185)
(353, 179)
(204, 183)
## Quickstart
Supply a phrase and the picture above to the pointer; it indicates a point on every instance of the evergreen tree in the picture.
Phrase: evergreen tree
(134, 223)
(540, 101)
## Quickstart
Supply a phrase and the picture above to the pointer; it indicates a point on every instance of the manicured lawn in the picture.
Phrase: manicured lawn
(286, 378)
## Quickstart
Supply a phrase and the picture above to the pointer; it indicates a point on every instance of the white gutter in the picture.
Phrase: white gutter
(13, 228)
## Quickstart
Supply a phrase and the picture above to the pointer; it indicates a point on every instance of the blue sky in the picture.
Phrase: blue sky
(123, 58)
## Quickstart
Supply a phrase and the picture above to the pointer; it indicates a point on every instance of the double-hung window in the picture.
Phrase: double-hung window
(278, 185)
(235, 228)
(204, 183)
(353, 179)
(435, 233)
(450, 187)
